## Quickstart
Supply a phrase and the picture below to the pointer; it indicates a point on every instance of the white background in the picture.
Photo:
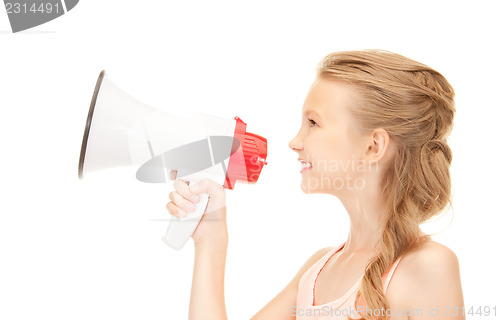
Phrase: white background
(92, 249)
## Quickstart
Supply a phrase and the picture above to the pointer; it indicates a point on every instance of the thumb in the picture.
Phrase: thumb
(216, 193)
(209, 186)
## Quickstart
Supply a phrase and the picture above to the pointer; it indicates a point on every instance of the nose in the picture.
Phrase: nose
(295, 144)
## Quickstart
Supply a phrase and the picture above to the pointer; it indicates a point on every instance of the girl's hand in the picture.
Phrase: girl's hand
(212, 226)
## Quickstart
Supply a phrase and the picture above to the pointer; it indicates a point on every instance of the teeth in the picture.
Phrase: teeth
(305, 165)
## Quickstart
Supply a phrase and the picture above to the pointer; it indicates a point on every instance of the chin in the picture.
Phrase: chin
(306, 188)
(323, 185)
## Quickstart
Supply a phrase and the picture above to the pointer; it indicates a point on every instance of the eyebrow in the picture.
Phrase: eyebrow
(308, 112)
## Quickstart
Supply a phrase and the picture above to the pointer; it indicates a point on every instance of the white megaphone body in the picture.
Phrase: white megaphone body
(122, 131)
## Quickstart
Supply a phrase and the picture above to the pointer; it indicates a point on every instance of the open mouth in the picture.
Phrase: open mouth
(304, 165)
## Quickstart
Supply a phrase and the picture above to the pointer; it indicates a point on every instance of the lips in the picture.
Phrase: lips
(304, 165)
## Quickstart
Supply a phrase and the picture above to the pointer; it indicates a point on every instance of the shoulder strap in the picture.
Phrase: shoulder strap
(390, 274)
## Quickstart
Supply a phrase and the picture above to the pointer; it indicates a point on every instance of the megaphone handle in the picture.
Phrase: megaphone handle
(180, 229)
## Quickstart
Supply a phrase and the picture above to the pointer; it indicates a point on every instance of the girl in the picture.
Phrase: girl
(373, 134)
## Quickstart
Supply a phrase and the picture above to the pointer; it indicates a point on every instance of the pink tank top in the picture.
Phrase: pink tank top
(334, 310)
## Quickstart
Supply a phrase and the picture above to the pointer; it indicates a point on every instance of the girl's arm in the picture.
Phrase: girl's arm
(210, 242)
(207, 289)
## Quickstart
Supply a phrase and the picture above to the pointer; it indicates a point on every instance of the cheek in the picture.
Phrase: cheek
(334, 157)
(343, 146)
(329, 145)
(333, 147)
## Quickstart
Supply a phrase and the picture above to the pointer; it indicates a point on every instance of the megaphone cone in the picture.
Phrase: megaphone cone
(123, 131)
(112, 123)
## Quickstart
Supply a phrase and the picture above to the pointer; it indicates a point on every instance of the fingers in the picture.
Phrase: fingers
(213, 189)
(185, 197)
(183, 189)
(176, 211)
(183, 200)
(217, 195)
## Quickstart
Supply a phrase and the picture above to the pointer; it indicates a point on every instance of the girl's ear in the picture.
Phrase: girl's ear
(378, 145)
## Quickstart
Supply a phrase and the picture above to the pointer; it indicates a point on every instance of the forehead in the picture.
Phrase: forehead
(327, 99)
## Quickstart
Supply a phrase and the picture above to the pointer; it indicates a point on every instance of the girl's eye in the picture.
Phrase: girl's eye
(312, 122)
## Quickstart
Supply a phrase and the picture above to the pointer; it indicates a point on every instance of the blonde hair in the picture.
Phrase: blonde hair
(415, 105)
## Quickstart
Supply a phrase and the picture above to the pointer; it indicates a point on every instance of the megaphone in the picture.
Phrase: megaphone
(122, 131)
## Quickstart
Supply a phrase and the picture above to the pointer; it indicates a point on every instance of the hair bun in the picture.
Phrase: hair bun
(435, 145)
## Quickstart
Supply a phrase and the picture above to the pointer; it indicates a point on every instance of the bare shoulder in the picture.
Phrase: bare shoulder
(428, 259)
(310, 262)
(428, 275)
(318, 255)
